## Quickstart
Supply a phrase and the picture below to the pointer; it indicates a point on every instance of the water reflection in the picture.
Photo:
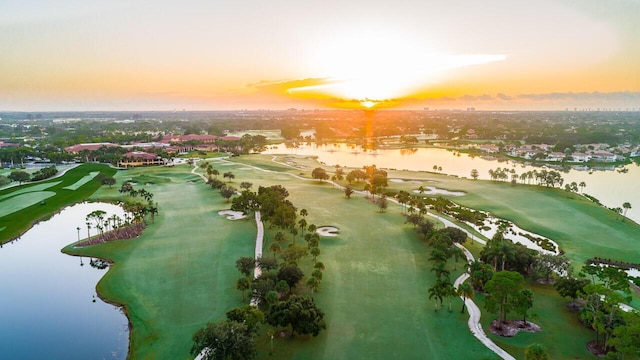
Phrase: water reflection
(49, 307)
(612, 188)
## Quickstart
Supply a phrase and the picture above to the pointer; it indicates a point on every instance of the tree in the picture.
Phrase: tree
(313, 284)
(546, 264)
(438, 291)
(19, 176)
(246, 265)
(300, 313)
(383, 203)
(267, 264)
(243, 284)
(535, 352)
(315, 251)
(246, 185)
(248, 315)
(465, 290)
(293, 253)
(229, 175)
(274, 248)
(474, 174)
(523, 301)
(348, 191)
(291, 274)
(227, 192)
(456, 235)
(500, 288)
(626, 206)
(108, 181)
(319, 174)
(626, 336)
(570, 286)
(224, 340)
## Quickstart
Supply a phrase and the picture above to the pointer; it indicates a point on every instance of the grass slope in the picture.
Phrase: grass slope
(181, 272)
(19, 221)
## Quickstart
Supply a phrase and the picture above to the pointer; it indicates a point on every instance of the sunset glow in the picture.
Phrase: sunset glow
(409, 54)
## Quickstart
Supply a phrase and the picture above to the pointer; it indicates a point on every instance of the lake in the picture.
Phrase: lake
(47, 307)
(609, 186)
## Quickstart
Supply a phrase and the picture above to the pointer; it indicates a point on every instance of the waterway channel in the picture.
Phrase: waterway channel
(49, 308)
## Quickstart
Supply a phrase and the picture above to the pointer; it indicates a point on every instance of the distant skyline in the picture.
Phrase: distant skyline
(224, 55)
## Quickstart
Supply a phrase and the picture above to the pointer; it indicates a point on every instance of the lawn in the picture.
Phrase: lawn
(562, 333)
(18, 218)
(374, 292)
(19, 202)
(181, 272)
(581, 228)
(85, 179)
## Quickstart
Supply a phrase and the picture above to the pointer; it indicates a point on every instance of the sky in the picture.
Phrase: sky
(278, 54)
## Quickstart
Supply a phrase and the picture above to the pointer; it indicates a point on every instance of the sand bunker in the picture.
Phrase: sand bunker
(232, 215)
(432, 190)
(328, 231)
(407, 181)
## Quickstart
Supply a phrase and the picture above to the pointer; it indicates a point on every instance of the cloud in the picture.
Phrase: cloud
(584, 96)
(483, 97)
(504, 97)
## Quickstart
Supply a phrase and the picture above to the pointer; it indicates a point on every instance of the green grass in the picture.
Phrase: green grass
(19, 221)
(581, 228)
(181, 272)
(562, 333)
(84, 180)
(19, 202)
(32, 188)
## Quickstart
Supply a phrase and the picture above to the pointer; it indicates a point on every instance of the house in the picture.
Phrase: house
(556, 156)
(605, 156)
(140, 158)
(489, 148)
(74, 149)
(580, 157)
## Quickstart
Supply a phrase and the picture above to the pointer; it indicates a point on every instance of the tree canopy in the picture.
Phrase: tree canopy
(299, 312)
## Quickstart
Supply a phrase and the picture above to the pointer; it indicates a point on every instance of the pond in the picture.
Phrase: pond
(608, 185)
(49, 307)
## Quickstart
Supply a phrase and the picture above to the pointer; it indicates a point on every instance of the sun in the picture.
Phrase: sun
(368, 104)
(368, 66)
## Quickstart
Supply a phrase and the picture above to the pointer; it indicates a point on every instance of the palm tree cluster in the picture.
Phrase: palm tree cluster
(442, 243)
(137, 209)
(549, 178)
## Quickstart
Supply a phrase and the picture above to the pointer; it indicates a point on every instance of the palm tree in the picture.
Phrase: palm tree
(449, 291)
(436, 292)
(626, 207)
(279, 237)
(303, 225)
(582, 185)
(465, 290)
(313, 284)
(274, 248)
(315, 252)
(243, 284)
